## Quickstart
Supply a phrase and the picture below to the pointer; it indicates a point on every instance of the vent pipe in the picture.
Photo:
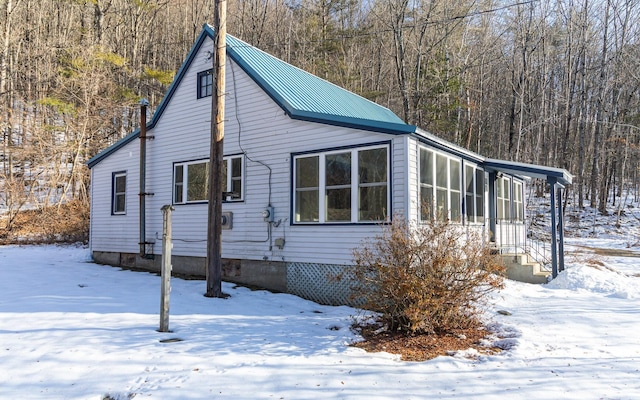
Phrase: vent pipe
(143, 176)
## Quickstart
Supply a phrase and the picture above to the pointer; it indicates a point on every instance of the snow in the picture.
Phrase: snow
(71, 329)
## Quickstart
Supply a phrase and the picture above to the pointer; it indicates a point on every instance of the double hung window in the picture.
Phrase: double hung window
(119, 193)
(518, 206)
(350, 185)
(510, 199)
(205, 83)
(504, 198)
(191, 180)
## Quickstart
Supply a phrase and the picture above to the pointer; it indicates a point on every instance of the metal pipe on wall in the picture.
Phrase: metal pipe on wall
(143, 175)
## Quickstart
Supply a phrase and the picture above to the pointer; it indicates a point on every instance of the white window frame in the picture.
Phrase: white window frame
(115, 194)
(184, 185)
(231, 177)
(518, 201)
(503, 199)
(354, 185)
(510, 206)
(478, 191)
(449, 189)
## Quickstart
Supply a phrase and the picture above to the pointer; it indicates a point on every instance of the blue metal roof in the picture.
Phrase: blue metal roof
(307, 97)
(300, 94)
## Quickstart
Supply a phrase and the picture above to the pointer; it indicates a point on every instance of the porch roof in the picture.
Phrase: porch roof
(560, 175)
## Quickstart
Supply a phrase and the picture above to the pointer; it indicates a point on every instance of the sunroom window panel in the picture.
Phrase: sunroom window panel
(441, 171)
(455, 206)
(454, 188)
(517, 201)
(469, 199)
(468, 178)
(426, 202)
(469, 206)
(441, 204)
(480, 209)
(507, 209)
(454, 177)
(504, 199)
(479, 195)
(426, 167)
(426, 184)
(507, 198)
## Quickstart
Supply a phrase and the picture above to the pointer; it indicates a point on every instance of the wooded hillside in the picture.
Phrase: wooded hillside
(547, 82)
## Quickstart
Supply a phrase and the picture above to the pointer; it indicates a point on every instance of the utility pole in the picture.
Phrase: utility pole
(214, 226)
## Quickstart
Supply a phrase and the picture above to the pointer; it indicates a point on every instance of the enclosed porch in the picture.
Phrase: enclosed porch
(527, 259)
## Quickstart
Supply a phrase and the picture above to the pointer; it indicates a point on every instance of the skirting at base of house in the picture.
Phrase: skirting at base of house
(322, 283)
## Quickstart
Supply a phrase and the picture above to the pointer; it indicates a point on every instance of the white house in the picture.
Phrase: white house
(326, 165)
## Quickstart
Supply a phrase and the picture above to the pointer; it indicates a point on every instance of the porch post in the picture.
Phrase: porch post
(492, 206)
(561, 230)
(554, 232)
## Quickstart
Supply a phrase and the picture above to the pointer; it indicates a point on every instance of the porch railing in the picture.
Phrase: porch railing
(514, 237)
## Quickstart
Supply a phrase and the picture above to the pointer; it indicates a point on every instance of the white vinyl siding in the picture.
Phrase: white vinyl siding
(109, 231)
(259, 128)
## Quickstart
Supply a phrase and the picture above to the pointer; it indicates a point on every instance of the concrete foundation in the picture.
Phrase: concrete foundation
(270, 275)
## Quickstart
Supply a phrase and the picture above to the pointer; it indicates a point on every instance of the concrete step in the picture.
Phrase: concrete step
(520, 268)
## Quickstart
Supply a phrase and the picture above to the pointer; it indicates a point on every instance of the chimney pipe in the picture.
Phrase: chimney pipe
(143, 175)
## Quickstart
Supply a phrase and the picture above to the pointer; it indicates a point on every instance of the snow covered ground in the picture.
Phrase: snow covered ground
(71, 329)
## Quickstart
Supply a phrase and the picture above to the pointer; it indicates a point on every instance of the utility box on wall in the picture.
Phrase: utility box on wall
(227, 220)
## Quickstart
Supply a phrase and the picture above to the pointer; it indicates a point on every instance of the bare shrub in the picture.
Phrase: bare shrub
(426, 278)
(64, 223)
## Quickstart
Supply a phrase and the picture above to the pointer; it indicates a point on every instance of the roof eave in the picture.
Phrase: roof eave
(354, 123)
(560, 175)
(93, 161)
(441, 144)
